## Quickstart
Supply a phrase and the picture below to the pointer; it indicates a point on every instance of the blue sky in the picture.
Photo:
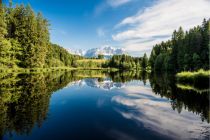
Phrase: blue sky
(135, 25)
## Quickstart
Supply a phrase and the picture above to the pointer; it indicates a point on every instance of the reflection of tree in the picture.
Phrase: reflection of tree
(24, 99)
(165, 85)
(126, 76)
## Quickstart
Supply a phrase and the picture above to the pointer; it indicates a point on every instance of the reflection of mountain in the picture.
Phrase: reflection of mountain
(106, 84)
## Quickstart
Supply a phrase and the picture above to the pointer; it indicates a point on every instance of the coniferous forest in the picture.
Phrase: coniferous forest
(25, 40)
(186, 51)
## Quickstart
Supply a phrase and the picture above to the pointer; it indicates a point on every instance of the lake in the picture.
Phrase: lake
(98, 105)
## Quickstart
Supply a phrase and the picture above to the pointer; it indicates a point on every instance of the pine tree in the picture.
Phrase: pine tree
(205, 43)
(42, 39)
(5, 45)
(144, 63)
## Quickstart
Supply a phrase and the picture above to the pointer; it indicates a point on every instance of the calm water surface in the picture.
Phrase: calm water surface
(81, 105)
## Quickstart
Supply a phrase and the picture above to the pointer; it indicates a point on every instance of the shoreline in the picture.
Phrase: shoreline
(31, 70)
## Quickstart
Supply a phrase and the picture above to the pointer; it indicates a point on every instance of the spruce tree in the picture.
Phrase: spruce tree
(144, 63)
(5, 45)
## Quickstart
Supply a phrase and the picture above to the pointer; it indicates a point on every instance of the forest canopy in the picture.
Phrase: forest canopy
(186, 51)
(25, 40)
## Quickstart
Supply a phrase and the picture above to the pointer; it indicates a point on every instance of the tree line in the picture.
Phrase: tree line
(126, 62)
(25, 40)
(186, 51)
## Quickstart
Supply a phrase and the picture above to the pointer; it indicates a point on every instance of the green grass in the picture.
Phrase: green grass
(92, 60)
(189, 74)
(31, 70)
(198, 78)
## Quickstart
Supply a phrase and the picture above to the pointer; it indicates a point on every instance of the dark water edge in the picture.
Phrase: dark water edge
(27, 105)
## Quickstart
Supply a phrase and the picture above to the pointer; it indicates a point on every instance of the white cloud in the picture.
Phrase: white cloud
(156, 23)
(107, 4)
(116, 3)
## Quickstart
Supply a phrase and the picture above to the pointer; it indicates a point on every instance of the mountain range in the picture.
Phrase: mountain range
(107, 51)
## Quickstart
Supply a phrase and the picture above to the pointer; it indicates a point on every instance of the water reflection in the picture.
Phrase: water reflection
(25, 99)
(193, 101)
(156, 114)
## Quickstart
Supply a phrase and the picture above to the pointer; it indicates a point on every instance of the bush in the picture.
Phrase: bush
(199, 78)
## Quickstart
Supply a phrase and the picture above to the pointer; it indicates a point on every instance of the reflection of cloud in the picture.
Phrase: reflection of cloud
(100, 102)
(156, 114)
(157, 22)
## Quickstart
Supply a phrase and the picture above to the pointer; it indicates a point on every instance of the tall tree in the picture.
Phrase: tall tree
(185, 51)
(144, 63)
(5, 45)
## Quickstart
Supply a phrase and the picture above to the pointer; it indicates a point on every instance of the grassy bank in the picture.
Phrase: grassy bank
(32, 70)
(198, 78)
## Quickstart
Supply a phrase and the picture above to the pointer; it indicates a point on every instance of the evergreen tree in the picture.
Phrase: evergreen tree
(185, 51)
(144, 63)
(5, 44)
(100, 56)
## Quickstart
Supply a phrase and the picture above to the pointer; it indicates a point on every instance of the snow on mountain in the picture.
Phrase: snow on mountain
(106, 50)
(77, 52)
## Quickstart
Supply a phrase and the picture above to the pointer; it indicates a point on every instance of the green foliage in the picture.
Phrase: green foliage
(198, 78)
(125, 62)
(25, 41)
(144, 62)
(185, 51)
(59, 57)
(100, 56)
(91, 63)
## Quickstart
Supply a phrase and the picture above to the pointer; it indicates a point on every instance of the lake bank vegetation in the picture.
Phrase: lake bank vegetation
(186, 52)
(199, 77)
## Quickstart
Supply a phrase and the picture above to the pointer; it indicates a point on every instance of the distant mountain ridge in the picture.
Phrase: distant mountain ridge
(107, 51)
